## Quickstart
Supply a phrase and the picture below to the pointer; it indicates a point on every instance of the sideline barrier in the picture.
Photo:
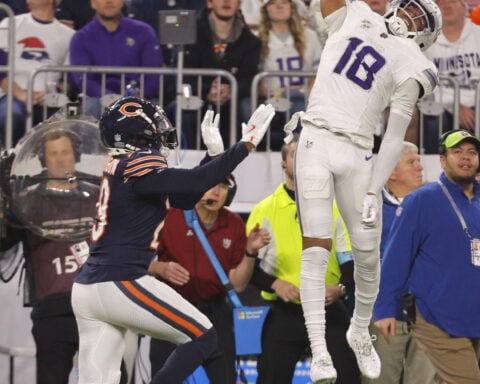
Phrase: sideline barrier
(13, 352)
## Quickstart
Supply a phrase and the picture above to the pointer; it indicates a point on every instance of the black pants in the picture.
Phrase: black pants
(56, 341)
(285, 342)
(220, 366)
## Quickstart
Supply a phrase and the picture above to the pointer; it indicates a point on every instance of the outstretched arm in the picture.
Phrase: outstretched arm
(401, 110)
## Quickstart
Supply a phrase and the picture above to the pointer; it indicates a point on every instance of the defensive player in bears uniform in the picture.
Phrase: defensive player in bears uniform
(113, 291)
(369, 62)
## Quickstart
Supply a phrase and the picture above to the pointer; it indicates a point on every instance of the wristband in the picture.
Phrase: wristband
(252, 255)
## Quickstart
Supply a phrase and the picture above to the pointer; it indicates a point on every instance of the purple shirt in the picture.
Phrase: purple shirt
(133, 44)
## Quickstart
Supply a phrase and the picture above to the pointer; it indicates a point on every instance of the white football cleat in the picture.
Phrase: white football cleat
(367, 358)
(322, 370)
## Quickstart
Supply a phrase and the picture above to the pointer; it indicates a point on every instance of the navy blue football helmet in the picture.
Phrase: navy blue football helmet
(132, 123)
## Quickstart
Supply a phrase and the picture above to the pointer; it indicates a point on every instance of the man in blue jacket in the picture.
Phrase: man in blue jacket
(434, 252)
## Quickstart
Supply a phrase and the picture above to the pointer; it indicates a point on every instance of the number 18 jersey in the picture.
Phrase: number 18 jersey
(360, 68)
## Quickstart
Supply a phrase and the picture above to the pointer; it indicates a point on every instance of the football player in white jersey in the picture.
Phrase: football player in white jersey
(369, 62)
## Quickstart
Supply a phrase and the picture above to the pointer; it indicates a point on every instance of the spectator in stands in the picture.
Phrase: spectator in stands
(287, 45)
(455, 55)
(112, 39)
(285, 338)
(51, 216)
(251, 12)
(74, 13)
(433, 252)
(183, 264)
(403, 362)
(17, 6)
(223, 42)
(40, 40)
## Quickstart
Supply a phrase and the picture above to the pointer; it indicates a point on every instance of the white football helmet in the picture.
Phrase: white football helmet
(420, 20)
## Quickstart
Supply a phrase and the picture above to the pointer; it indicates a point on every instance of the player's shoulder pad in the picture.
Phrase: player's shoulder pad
(143, 162)
(428, 80)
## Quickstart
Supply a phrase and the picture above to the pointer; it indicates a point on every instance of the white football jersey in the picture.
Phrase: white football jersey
(283, 56)
(360, 68)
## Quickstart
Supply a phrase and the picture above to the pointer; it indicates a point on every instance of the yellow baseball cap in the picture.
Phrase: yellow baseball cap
(452, 138)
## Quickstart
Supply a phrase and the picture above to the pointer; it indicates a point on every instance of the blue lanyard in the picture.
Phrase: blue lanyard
(192, 221)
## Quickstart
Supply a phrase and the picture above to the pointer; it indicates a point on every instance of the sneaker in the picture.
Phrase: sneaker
(367, 358)
(322, 370)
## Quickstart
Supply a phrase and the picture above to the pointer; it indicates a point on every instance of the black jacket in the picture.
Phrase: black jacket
(241, 57)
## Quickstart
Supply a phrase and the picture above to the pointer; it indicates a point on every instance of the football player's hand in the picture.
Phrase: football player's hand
(291, 126)
(211, 134)
(370, 211)
(257, 125)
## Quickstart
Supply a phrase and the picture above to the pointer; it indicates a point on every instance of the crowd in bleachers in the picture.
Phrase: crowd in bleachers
(244, 38)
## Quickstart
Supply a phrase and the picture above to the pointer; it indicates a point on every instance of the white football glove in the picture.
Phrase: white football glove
(211, 134)
(370, 211)
(291, 126)
(257, 125)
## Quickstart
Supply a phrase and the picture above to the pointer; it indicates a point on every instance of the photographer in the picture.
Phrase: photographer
(48, 213)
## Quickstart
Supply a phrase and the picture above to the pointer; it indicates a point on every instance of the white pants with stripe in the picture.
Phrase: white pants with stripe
(105, 311)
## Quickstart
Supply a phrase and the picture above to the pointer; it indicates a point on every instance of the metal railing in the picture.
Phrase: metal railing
(9, 70)
(425, 106)
(430, 106)
(104, 71)
(279, 103)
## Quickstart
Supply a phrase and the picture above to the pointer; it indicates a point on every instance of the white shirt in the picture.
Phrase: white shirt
(36, 44)
(283, 56)
(361, 66)
(460, 60)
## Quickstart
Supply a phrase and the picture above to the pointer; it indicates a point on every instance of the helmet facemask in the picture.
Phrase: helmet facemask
(168, 134)
(419, 20)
